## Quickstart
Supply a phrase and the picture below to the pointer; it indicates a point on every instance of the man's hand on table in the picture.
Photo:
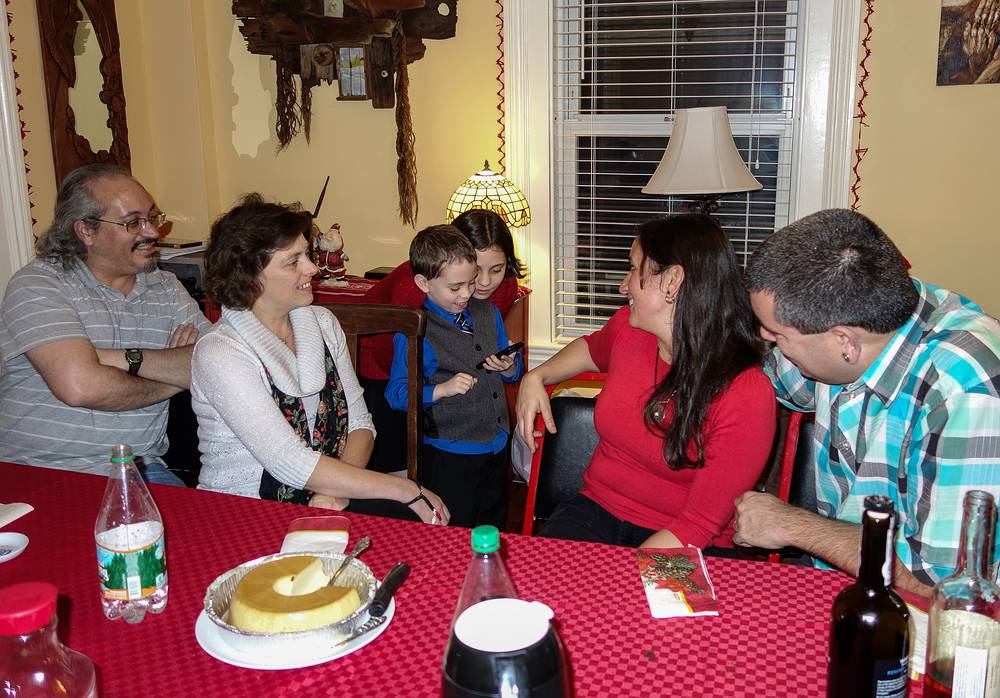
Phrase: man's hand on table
(759, 519)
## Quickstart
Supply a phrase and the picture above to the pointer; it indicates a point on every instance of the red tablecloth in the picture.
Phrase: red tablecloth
(354, 292)
(770, 639)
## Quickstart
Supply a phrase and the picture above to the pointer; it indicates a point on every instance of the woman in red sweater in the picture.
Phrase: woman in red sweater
(686, 418)
(498, 271)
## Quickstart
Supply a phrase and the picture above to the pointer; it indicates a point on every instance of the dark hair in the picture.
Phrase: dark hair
(834, 267)
(714, 332)
(436, 246)
(486, 229)
(75, 202)
(241, 244)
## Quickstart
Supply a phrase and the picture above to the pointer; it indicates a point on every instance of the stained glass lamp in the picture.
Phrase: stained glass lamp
(493, 192)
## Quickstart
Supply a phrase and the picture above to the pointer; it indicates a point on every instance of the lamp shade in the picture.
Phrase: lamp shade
(701, 157)
(491, 191)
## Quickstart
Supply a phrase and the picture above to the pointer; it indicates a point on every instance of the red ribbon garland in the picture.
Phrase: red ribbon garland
(859, 152)
(502, 133)
(20, 110)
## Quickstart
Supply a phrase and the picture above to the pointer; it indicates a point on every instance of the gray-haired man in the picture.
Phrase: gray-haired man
(94, 338)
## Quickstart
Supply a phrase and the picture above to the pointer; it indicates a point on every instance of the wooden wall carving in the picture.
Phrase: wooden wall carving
(279, 28)
(374, 39)
(57, 24)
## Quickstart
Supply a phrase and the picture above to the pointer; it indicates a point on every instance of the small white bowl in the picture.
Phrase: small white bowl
(220, 593)
(12, 545)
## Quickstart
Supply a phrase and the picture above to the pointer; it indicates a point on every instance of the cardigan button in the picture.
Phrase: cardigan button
(478, 348)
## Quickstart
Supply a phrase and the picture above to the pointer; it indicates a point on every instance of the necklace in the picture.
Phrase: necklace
(659, 409)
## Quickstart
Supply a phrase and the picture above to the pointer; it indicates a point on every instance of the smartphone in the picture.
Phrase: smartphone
(513, 348)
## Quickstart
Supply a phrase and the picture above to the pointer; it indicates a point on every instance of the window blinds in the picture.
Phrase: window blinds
(621, 69)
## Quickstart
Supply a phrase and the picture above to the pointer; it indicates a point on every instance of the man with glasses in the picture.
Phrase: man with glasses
(94, 338)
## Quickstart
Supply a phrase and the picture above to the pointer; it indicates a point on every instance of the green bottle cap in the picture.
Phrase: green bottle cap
(485, 539)
(122, 453)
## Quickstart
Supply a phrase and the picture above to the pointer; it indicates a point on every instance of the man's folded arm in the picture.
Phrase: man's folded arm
(74, 373)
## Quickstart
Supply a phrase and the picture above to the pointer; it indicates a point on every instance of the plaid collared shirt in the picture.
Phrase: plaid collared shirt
(921, 426)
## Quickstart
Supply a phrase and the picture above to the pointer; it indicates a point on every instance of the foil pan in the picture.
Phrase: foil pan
(220, 593)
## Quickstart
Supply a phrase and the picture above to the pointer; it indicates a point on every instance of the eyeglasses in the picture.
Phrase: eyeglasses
(134, 225)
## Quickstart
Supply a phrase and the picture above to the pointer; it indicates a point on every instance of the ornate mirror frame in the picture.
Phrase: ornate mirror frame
(57, 25)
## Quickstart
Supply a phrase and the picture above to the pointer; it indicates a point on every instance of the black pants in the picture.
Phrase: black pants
(473, 487)
(389, 452)
(581, 518)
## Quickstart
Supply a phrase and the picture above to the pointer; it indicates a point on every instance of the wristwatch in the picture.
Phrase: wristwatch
(133, 357)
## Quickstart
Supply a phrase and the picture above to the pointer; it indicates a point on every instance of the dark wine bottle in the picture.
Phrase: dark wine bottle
(870, 631)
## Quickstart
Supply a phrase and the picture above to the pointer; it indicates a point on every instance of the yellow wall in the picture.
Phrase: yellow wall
(201, 116)
(30, 82)
(201, 121)
(930, 176)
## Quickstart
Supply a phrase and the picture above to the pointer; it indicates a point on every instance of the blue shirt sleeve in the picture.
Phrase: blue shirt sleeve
(396, 390)
(503, 340)
(793, 390)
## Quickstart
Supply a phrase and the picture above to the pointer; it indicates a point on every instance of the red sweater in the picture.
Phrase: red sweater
(399, 288)
(627, 475)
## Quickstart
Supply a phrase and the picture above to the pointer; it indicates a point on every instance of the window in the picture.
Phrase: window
(621, 68)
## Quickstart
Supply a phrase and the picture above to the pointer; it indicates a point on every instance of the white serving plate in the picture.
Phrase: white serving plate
(210, 638)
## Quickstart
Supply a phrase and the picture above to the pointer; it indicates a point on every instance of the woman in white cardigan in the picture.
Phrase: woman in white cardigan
(280, 412)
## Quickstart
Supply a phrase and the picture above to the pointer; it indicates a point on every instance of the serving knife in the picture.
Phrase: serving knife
(380, 602)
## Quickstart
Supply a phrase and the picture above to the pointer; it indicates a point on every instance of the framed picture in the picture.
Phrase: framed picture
(333, 8)
(351, 72)
(968, 44)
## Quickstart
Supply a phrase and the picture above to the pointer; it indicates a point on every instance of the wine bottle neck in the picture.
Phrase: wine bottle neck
(875, 571)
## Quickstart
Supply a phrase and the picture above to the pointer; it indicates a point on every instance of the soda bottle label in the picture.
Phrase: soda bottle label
(131, 561)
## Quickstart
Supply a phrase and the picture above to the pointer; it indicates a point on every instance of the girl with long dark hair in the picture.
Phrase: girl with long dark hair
(686, 417)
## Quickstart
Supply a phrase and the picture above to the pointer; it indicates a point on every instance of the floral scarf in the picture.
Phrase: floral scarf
(329, 435)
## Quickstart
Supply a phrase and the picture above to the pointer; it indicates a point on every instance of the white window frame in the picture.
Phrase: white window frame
(828, 34)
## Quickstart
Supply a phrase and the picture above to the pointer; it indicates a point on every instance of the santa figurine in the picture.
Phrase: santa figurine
(330, 258)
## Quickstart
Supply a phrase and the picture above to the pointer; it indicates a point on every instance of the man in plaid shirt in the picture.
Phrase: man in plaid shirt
(904, 378)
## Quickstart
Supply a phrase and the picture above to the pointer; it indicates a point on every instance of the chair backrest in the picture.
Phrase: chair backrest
(560, 459)
(792, 451)
(359, 319)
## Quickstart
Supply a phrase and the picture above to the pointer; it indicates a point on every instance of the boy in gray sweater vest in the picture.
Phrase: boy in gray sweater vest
(465, 454)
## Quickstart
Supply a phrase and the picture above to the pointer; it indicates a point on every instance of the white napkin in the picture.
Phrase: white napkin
(12, 512)
(676, 582)
(311, 534)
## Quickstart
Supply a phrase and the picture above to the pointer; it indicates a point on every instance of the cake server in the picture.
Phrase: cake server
(359, 547)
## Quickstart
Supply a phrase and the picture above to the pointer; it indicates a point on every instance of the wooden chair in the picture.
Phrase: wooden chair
(359, 319)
